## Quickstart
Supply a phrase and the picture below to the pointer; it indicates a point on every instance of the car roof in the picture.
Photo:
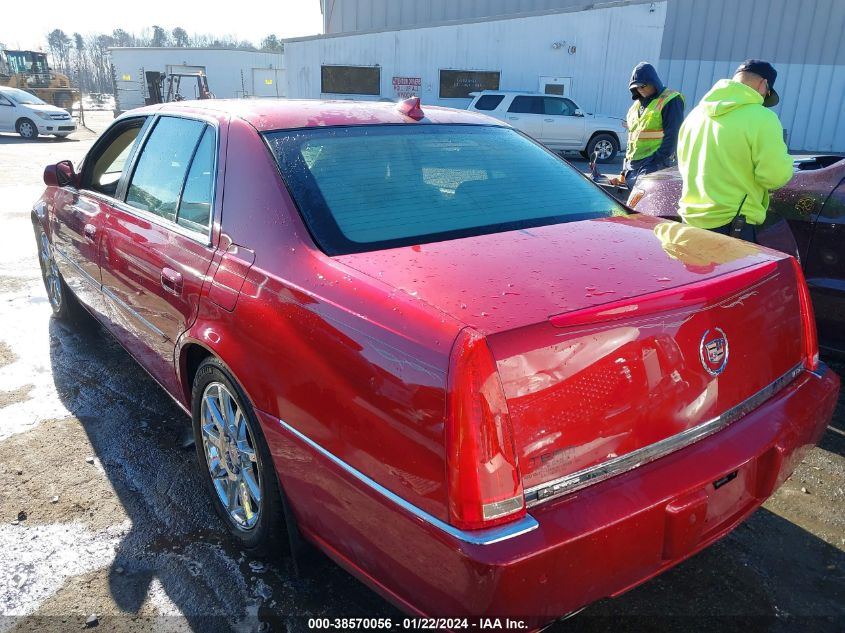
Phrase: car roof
(277, 114)
(13, 90)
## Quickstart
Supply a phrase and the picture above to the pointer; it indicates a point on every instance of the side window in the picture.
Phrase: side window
(526, 105)
(195, 206)
(161, 169)
(109, 160)
(4, 101)
(488, 102)
(559, 107)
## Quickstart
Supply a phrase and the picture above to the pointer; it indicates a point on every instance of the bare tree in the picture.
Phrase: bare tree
(122, 38)
(59, 44)
(85, 58)
(79, 66)
(99, 66)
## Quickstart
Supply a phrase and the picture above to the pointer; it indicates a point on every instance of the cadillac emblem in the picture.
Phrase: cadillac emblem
(713, 351)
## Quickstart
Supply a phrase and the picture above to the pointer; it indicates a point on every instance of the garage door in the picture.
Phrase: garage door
(268, 82)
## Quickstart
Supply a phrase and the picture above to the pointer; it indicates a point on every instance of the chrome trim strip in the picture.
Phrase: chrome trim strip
(87, 277)
(537, 495)
(132, 311)
(476, 537)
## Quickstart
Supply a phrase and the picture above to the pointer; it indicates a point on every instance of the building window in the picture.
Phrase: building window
(457, 84)
(350, 80)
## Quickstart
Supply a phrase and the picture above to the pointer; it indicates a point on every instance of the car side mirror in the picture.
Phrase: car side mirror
(579, 112)
(60, 175)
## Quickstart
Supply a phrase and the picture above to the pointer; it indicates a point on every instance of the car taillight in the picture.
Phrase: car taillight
(811, 341)
(485, 486)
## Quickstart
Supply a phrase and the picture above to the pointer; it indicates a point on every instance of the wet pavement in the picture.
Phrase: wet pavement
(102, 511)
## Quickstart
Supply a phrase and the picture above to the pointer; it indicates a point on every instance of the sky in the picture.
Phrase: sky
(244, 19)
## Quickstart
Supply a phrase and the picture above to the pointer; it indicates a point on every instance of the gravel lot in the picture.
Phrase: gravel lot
(102, 512)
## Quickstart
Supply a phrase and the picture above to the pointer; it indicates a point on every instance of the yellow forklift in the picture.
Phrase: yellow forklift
(169, 85)
(28, 70)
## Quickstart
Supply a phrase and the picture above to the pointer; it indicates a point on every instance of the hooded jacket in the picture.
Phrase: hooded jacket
(672, 115)
(730, 148)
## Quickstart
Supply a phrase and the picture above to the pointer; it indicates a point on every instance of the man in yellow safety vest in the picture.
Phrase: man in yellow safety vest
(653, 122)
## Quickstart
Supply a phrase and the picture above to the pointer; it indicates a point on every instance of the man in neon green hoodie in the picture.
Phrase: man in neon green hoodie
(731, 153)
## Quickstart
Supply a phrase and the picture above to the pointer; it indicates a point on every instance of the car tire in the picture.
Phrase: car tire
(27, 129)
(606, 145)
(63, 302)
(235, 461)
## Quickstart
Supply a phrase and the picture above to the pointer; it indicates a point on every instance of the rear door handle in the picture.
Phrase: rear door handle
(171, 281)
(90, 231)
(514, 118)
(549, 120)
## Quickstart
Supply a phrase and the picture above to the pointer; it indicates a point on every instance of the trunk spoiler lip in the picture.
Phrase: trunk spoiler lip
(670, 299)
(556, 488)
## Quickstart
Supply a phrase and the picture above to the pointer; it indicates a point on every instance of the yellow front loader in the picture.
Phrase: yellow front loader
(28, 70)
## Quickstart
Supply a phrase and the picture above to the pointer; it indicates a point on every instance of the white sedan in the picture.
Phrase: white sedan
(29, 116)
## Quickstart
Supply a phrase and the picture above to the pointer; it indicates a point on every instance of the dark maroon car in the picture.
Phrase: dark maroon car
(813, 205)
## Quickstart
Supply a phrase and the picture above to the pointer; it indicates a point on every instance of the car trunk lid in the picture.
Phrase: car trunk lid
(594, 392)
(502, 281)
(611, 336)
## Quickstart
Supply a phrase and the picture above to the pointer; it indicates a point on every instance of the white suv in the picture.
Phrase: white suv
(29, 116)
(556, 122)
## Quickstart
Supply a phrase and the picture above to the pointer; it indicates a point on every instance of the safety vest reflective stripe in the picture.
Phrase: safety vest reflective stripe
(665, 97)
(648, 135)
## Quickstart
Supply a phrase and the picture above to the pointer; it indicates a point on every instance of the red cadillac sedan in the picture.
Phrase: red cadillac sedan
(430, 347)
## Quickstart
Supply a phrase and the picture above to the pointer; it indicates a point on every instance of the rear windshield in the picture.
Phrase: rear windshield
(373, 187)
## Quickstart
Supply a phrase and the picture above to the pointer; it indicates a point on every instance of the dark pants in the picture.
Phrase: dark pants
(748, 233)
(633, 170)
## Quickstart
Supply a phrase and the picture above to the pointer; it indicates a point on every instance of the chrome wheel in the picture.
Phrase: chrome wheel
(604, 149)
(231, 457)
(27, 129)
(50, 271)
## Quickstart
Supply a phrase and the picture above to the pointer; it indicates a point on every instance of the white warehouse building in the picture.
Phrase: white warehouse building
(583, 54)
(231, 74)
(442, 50)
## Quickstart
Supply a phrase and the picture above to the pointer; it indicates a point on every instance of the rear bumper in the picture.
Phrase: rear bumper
(597, 542)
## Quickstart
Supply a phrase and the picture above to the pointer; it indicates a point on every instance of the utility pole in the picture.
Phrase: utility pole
(81, 96)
